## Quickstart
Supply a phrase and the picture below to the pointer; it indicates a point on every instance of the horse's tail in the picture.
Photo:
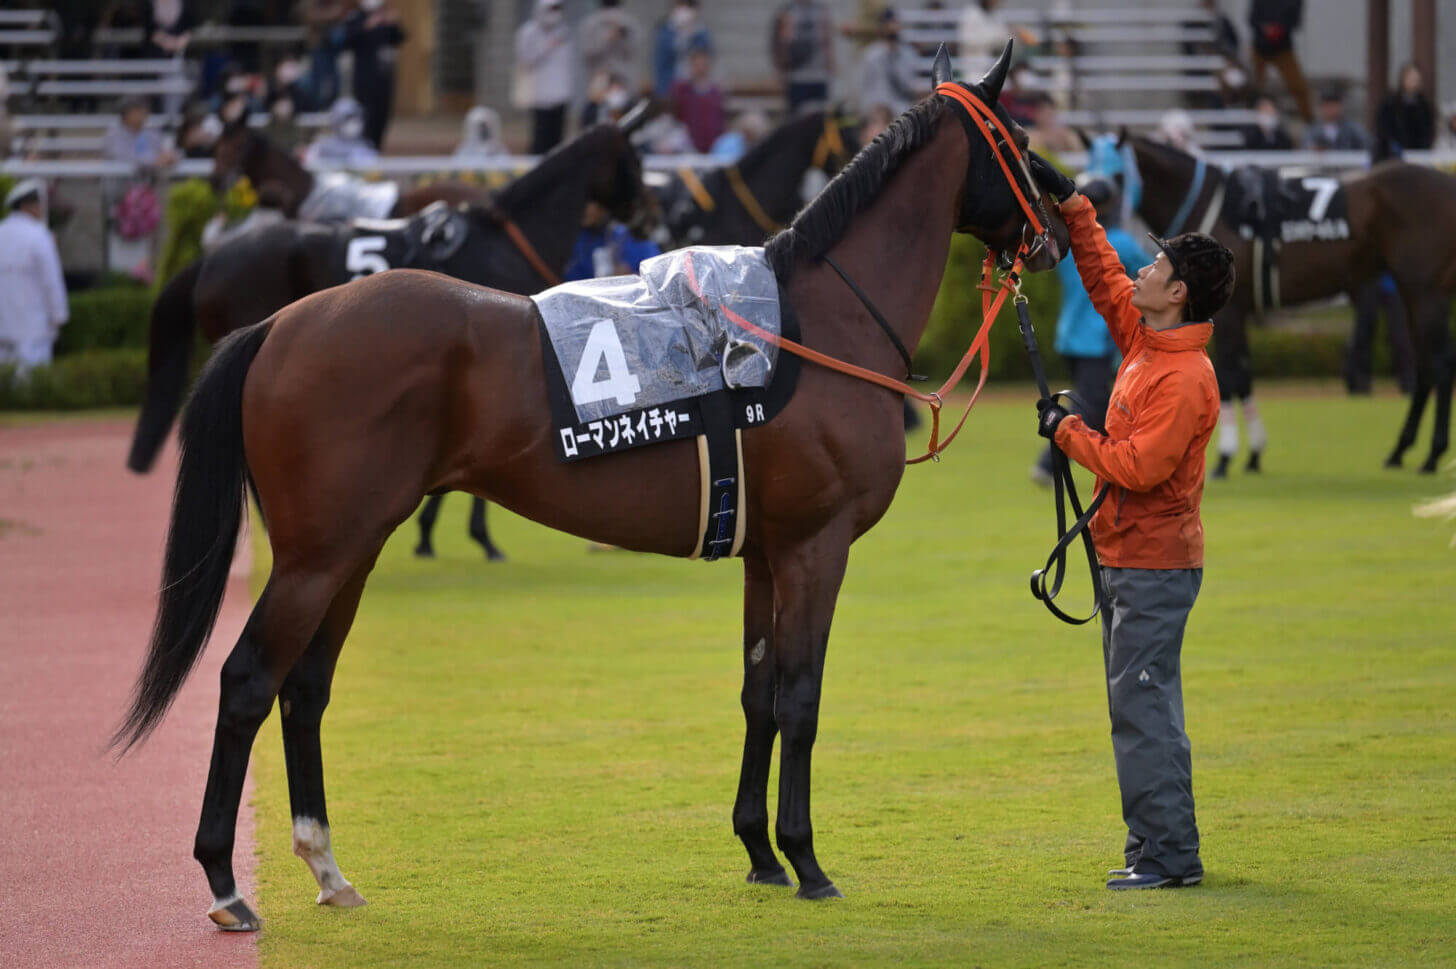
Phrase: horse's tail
(207, 509)
(170, 349)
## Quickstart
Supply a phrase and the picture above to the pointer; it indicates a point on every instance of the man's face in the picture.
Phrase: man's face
(134, 118)
(700, 65)
(1331, 111)
(1155, 289)
(594, 216)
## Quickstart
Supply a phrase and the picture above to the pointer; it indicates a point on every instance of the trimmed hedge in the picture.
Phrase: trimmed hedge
(90, 378)
(114, 316)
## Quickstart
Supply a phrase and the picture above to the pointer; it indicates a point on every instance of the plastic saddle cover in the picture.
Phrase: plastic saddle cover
(628, 342)
(338, 197)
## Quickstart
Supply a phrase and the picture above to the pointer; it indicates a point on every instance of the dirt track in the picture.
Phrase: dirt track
(96, 864)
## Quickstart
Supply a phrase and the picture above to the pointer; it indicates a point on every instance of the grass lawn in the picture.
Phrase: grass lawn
(534, 763)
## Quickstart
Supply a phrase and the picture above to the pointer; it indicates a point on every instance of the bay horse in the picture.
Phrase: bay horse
(331, 405)
(1402, 220)
(243, 150)
(752, 199)
(252, 276)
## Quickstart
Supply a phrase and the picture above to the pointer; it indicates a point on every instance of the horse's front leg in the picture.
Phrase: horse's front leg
(1436, 338)
(806, 585)
(750, 810)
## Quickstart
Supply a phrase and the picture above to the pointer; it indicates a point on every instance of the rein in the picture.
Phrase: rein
(978, 114)
(522, 244)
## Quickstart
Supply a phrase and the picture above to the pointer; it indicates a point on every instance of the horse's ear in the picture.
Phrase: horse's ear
(996, 76)
(1121, 136)
(636, 117)
(940, 70)
(1083, 137)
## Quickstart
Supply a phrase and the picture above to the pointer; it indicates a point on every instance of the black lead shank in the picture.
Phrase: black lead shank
(1065, 492)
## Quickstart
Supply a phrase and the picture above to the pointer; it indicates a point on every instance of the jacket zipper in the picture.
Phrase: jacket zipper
(1120, 499)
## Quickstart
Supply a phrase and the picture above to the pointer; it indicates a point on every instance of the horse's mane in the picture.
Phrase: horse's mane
(559, 165)
(821, 224)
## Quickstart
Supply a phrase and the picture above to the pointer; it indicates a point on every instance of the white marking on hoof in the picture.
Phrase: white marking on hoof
(755, 655)
(311, 843)
(219, 904)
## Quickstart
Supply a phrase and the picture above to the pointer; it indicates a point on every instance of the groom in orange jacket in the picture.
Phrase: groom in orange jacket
(1148, 532)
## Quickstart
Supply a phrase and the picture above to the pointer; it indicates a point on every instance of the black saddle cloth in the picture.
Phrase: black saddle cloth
(1261, 204)
(426, 240)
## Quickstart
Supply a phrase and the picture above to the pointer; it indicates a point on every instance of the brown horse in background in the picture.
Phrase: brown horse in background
(1402, 221)
(341, 419)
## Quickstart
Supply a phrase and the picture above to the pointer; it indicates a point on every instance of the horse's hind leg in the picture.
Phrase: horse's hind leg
(750, 810)
(1416, 409)
(1235, 372)
(279, 629)
(1437, 344)
(479, 532)
(301, 703)
(428, 513)
(806, 585)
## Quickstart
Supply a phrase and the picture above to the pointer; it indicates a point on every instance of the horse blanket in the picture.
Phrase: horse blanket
(631, 358)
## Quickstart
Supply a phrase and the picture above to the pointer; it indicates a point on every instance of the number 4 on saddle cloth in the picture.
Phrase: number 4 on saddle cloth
(1273, 212)
(638, 360)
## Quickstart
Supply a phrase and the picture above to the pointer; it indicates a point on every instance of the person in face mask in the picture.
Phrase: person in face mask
(1267, 132)
(374, 35)
(34, 307)
(545, 73)
(480, 138)
(679, 33)
(344, 145)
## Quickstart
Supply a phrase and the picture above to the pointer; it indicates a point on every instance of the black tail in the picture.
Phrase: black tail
(170, 350)
(207, 509)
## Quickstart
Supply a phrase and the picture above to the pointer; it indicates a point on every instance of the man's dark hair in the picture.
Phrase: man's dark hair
(1203, 265)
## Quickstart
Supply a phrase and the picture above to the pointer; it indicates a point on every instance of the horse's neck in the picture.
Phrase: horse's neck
(774, 176)
(896, 251)
(282, 167)
(551, 216)
(1177, 172)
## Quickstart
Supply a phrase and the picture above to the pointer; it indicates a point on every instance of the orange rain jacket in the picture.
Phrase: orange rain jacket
(1163, 411)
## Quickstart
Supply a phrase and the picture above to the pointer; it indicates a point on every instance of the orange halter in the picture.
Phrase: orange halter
(979, 114)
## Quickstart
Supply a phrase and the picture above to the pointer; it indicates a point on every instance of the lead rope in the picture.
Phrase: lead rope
(1065, 492)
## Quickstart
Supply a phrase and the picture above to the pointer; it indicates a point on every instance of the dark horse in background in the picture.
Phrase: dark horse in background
(252, 276)
(755, 197)
(1402, 220)
(341, 419)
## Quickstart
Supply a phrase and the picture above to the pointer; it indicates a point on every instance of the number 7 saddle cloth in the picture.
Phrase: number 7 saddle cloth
(635, 360)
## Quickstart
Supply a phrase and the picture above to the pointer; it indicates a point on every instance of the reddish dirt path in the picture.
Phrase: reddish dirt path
(96, 864)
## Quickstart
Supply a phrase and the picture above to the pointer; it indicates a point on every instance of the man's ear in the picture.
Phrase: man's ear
(1180, 293)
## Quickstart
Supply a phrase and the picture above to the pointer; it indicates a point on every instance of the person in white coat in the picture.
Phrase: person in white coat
(545, 73)
(34, 306)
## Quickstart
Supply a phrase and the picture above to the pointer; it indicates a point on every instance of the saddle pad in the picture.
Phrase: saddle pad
(629, 358)
(423, 241)
(338, 196)
(1306, 209)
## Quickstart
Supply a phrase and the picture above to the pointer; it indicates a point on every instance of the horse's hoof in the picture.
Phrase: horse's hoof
(235, 916)
(346, 897)
(1220, 471)
(495, 555)
(827, 890)
(1253, 466)
(770, 876)
(1429, 467)
(424, 552)
(1393, 461)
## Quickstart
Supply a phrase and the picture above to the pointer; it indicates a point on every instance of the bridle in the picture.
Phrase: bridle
(977, 118)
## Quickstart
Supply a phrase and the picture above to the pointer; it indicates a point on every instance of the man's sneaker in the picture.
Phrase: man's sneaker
(1040, 476)
(1120, 872)
(1149, 879)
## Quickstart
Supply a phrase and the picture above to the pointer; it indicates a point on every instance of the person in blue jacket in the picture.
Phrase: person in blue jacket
(1082, 337)
(606, 248)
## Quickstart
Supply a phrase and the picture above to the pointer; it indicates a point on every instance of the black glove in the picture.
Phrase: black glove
(1050, 179)
(1048, 415)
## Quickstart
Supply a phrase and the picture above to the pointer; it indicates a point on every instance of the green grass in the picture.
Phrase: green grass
(534, 763)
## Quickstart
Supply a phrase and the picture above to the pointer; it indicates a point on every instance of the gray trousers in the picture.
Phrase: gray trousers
(1142, 637)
